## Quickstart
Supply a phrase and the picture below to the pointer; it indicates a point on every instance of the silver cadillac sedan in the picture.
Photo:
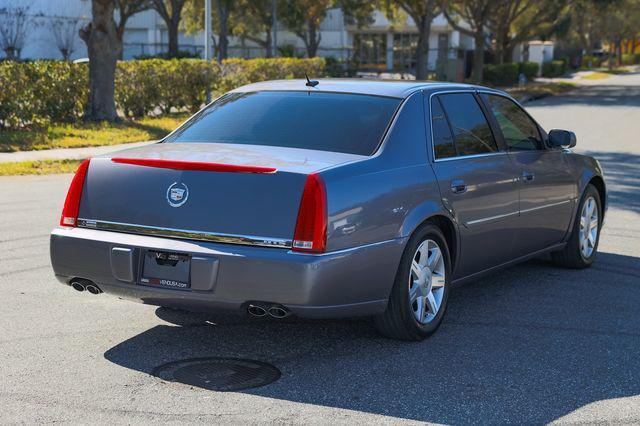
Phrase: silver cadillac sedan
(331, 199)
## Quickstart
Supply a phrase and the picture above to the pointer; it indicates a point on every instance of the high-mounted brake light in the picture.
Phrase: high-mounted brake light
(72, 202)
(311, 227)
(193, 165)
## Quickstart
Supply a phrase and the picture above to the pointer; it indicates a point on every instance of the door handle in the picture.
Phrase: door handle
(458, 186)
(527, 177)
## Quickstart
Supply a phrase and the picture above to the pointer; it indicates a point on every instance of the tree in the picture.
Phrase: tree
(104, 48)
(255, 18)
(303, 18)
(64, 31)
(14, 24)
(223, 22)
(171, 12)
(422, 12)
(476, 14)
(223, 9)
(518, 21)
(126, 9)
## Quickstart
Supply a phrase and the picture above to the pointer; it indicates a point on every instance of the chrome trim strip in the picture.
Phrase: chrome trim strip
(502, 216)
(247, 240)
(488, 219)
(545, 206)
(347, 250)
(463, 157)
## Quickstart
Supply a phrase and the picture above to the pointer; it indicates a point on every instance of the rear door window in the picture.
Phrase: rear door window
(338, 122)
(520, 132)
(442, 138)
(471, 131)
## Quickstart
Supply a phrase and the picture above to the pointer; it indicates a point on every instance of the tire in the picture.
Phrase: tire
(573, 256)
(399, 321)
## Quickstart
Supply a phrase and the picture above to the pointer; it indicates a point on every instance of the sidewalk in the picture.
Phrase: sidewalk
(65, 153)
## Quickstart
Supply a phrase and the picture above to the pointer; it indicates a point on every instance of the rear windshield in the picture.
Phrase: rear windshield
(335, 122)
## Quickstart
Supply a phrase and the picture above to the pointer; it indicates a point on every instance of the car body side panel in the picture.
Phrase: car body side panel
(385, 197)
(546, 201)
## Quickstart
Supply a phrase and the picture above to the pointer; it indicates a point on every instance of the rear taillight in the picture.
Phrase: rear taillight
(311, 228)
(72, 202)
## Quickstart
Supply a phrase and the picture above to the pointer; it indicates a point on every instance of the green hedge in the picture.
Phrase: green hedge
(631, 59)
(595, 61)
(529, 69)
(502, 74)
(554, 68)
(40, 92)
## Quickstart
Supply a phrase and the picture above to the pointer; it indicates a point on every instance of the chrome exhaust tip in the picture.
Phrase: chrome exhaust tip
(77, 285)
(279, 312)
(256, 311)
(93, 289)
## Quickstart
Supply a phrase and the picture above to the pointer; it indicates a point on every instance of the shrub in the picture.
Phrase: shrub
(555, 68)
(237, 72)
(589, 61)
(529, 69)
(36, 93)
(335, 67)
(502, 74)
(630, 59)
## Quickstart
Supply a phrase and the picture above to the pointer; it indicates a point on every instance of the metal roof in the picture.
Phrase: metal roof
(392, 88)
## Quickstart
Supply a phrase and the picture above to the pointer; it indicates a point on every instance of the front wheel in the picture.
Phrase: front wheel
(581, 249)
(419, 295)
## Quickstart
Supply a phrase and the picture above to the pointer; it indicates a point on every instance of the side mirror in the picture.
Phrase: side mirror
(562, 139)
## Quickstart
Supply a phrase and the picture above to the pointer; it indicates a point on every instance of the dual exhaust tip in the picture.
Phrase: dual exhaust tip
(274, 311)
(82, 285)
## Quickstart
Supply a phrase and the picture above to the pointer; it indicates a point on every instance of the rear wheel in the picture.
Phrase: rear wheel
(582, 247)
(419, 296)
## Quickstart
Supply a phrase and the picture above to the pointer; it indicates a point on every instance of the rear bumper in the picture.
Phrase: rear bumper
(339, 284)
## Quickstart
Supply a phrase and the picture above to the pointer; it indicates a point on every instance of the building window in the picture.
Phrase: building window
(404, 50)
(370, 50)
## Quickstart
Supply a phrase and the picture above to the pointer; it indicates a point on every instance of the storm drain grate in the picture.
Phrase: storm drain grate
(218, 374)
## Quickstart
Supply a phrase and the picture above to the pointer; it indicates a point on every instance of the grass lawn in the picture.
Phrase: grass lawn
(89, 134)
(597, 75)
(39, 167)
(538, 90)
(602, 74)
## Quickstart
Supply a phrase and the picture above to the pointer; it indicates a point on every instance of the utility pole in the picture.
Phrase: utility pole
(207, 40)
(274, 26)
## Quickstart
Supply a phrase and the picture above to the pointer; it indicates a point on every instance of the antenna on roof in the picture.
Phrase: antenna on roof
(311, 83)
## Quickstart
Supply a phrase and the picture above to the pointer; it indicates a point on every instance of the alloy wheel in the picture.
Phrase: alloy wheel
(589, 227)
(426, 281)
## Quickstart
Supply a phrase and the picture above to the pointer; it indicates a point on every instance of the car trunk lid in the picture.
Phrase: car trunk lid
(221, 192)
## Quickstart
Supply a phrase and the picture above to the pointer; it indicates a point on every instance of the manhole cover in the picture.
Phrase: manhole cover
(219, 374)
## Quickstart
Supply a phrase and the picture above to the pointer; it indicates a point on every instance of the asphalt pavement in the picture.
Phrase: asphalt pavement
(531, 344)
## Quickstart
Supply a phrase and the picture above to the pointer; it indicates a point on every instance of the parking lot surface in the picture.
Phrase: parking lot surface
(530, 344)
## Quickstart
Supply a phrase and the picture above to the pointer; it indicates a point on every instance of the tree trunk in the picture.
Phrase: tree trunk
(422, 50)
(478, 57)
(268, 44)
(314, 40)
(104, 48)
(173, 29)
(507, 53)
(223, 36)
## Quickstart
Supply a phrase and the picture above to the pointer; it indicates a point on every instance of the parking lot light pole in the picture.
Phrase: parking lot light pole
(207, 40)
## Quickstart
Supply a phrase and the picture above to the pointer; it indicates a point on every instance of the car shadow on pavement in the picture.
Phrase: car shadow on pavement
(601, 95)
(622, 174)
(527, 345)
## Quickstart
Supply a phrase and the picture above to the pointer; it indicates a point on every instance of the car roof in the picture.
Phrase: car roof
(391, 88)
